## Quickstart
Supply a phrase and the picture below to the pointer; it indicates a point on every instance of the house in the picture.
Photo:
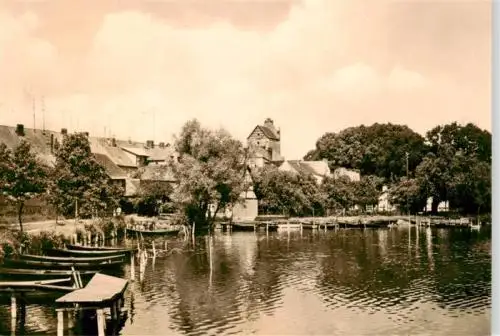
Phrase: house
(116, 175)
(264, 144)
(353, 175)
(384, 203)
(318, 169)
(248, 209)
(156, 174)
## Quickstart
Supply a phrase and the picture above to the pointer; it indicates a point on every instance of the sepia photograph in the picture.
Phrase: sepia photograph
(246, 167)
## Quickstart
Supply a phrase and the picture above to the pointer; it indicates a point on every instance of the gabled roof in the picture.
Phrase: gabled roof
(118, 156)
(269, 133)
(38, 139)
(316, 168)
(113, 171)
(135, 150)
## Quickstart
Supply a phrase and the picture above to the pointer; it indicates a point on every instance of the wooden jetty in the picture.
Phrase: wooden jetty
(103, 291)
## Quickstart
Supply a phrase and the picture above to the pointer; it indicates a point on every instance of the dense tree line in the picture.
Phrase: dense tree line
(451, 163)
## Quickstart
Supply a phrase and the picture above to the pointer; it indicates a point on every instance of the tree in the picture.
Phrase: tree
(210, 171)
(340, 192)
(470, 184)
(151, 195)
(377, 150)
(290, 193)
(408, 195)
(367, 190)
(457, 167)
(79, 180)
(22, 176)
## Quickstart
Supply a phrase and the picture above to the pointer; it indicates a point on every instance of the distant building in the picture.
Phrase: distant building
(264, 144)
(318, 169)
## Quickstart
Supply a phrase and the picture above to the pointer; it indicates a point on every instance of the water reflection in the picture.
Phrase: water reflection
(357, 282)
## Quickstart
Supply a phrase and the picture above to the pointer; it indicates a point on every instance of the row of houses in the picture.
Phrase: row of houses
(126, 162)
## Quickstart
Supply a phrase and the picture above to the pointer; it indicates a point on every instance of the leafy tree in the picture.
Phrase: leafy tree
(408, 195)
(78, 177)
(469, 140)
(210, 171)
(22, 176)
(470, 184)
(379, 149)
(151, 195)
(367, 190)
(340, 192)
(283, 192)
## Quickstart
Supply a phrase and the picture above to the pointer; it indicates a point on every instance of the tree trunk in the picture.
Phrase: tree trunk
(434, 206)
(20, 215)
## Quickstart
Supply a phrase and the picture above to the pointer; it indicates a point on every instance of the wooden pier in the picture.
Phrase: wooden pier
(102, 292)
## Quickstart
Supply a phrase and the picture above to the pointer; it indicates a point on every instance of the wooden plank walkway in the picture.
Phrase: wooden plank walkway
(103, 291)
(100, 289)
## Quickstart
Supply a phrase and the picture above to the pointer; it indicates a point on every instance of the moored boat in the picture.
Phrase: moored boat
(100, 248)
(22, 263)
(35, 290)
(71, 259)
(59, 252)
(159, 232)
(40, 274)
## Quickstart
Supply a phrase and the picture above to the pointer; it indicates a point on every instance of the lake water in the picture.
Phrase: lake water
(344, 282)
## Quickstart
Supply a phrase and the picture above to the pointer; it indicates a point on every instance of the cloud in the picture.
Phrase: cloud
(322, 66)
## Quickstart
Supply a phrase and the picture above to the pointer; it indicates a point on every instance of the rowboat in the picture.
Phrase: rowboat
(35, 290)
(75, 260)
(26, 273)
(99, 248)
(21, 263)
(57, 252)
(156, 232)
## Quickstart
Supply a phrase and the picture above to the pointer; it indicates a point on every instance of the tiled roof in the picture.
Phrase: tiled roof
(316, 168)
(112, 170)
(38, 139)
(160, 154)
(135, 150)
(118, 156)
(269, 133)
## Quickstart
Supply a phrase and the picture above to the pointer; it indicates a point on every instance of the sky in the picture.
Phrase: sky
(140, 69)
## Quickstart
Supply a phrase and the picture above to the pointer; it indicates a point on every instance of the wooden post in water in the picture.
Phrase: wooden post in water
(132, 267)
(154, 249)
(13, 313)
(60, 322)
(101, 322)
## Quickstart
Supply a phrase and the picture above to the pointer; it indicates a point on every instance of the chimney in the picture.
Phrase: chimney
(113, 142)
(20, 129)
(162, 145)
(64, 131)
(51, 143)
(269, 123)
(150, 144)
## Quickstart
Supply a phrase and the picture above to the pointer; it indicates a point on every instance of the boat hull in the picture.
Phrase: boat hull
(154, 232)
(99, 248)
(20, 263)
(10, 274)
(56, 252)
